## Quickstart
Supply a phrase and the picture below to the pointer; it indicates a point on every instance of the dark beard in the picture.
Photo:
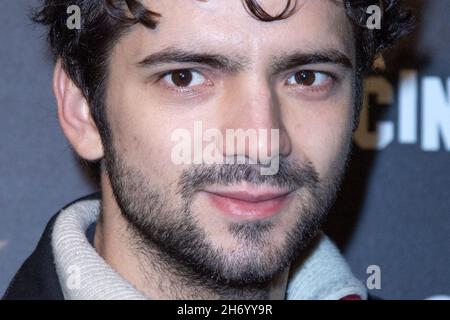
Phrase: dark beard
(172, 236)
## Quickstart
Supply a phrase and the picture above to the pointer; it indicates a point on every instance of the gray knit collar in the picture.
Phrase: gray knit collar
(83, 274)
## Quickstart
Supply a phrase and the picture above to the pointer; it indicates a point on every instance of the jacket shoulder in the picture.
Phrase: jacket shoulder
(37, 278)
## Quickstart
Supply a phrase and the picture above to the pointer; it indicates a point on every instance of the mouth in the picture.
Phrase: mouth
(245, 203)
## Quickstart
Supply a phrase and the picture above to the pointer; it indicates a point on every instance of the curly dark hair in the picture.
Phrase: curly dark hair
(85, 52)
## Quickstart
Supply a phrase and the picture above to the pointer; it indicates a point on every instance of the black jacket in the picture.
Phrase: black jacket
(37, 278)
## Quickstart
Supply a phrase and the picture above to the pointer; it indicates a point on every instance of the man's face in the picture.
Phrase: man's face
(226, 220)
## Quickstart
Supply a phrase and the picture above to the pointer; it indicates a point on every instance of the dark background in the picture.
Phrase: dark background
(394, 208)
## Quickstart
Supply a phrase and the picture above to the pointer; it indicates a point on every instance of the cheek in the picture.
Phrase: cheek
(322, 133)
(141, 135)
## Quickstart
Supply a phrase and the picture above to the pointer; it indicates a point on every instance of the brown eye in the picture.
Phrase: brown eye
(305, 78)
(308, 78)
(181, 78)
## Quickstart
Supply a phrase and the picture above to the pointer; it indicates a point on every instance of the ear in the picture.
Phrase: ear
(75, 117)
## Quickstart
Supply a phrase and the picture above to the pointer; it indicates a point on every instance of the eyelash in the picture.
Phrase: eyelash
(328, 82)
(181, 90)
(189, 91)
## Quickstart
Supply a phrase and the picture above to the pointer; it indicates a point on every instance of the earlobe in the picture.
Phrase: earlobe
(74, 116)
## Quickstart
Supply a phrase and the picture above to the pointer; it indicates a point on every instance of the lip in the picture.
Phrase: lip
(249, 204)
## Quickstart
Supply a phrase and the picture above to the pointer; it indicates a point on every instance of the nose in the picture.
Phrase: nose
(252, 112)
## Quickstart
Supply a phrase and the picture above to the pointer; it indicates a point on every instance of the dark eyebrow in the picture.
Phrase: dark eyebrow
(333, 56)
(236, 64)
(216, 61)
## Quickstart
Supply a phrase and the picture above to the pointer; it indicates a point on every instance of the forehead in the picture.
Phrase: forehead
(225, 26)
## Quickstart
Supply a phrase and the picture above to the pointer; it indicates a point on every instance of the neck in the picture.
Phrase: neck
(147, 270)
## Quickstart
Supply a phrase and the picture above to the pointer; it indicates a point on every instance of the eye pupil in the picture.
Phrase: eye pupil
(305, 78)
(182, 78)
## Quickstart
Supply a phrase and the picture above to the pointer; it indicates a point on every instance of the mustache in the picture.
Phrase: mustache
(291, 175)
